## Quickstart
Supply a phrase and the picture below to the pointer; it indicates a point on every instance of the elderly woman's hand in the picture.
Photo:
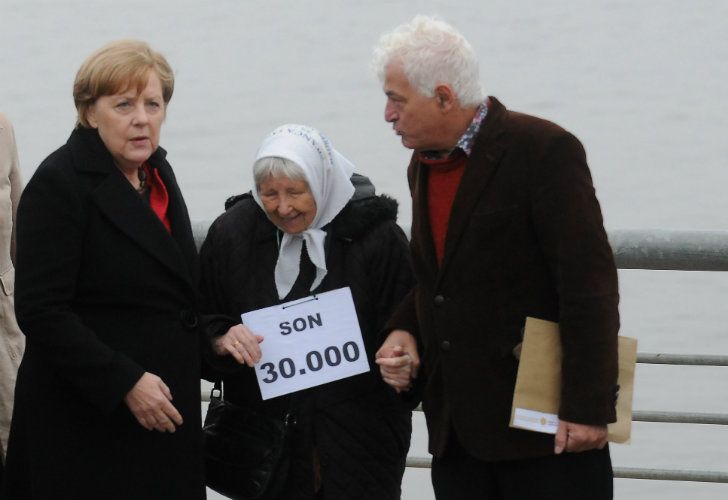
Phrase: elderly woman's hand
(149, 401)
(398, 360)
(241, 343)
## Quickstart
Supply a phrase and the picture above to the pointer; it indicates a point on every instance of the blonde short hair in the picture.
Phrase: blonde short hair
(116, 67)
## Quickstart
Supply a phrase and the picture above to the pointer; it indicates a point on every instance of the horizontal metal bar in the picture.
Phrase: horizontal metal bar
(670, 250)
(682, 359)
(625, 472)
(419, 462)
(672, 417)
(702, 476)
(636, 248)
(669, 417)
(675, 417)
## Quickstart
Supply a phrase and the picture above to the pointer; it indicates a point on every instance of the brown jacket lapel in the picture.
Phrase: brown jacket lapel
(479, 169)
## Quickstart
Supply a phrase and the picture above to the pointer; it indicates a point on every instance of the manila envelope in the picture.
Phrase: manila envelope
(538, 383)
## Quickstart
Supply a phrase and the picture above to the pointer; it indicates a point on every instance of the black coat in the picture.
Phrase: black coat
(357, 425)
(103, 294)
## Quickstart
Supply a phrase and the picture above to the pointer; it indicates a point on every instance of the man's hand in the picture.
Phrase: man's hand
(398, 360)
(574, 438)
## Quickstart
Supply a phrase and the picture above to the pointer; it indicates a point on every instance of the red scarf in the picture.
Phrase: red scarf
(158, 197)
(442, 184)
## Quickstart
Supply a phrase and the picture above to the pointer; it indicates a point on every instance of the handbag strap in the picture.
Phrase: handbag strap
(289, 419)
(216, 392)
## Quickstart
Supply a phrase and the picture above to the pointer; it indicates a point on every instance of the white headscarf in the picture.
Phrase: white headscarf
(328, 175)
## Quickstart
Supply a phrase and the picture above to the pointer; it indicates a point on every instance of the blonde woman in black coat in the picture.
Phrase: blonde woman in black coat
(107, 399)
(310, 226)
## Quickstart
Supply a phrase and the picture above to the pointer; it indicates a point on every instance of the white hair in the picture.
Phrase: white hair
(275, 166)
(431, 52)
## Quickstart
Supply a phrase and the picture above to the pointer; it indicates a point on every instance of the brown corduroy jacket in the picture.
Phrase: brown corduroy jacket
(525, 238)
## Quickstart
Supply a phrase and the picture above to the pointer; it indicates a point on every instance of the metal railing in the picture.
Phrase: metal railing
(650, 250)
(678, 251)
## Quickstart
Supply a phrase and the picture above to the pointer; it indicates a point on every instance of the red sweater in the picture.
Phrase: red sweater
(442, 184)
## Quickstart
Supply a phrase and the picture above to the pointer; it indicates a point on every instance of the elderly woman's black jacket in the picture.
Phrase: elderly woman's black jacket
(357, 425)
(103, 294)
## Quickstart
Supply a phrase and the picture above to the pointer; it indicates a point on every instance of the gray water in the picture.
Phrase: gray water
(640, 82)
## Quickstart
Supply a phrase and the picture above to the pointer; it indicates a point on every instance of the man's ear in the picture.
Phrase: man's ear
(445, 96)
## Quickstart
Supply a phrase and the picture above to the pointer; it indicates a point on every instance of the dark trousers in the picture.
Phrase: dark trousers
(569, 476)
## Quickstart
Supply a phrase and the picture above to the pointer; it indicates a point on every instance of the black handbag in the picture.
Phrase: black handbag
(246, 452)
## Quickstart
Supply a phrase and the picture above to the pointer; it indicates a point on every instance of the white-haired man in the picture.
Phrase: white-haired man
(505, 225)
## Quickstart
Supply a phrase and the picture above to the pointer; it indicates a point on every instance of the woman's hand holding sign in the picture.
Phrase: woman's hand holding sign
(241, 343)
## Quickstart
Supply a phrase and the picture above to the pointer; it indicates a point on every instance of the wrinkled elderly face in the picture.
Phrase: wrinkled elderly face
(129, 123)
(289, 204)
(416, 118)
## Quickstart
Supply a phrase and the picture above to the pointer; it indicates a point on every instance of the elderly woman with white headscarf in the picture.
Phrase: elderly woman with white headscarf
(309, 226)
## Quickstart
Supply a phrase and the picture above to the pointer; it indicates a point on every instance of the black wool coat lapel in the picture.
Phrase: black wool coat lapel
(122, 205)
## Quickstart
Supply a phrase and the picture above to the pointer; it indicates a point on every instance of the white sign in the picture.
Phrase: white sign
(536, 421)
(308, 342)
